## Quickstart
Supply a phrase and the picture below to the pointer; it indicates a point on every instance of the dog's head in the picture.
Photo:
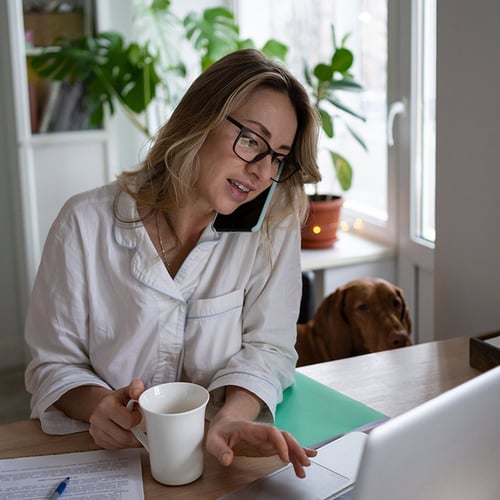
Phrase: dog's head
(365, 315)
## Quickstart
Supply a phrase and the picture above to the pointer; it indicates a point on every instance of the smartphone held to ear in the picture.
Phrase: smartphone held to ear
(247, 217)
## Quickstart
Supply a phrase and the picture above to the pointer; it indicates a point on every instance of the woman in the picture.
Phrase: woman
(136, 288)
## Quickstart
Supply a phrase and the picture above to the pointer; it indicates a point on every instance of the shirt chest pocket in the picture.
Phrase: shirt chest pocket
(213, 334)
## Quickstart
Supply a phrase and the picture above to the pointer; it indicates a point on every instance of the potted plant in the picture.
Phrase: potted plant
(325, 81)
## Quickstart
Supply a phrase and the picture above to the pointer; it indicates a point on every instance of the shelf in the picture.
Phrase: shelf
(35, 51)
(349, 249)
(54, 138)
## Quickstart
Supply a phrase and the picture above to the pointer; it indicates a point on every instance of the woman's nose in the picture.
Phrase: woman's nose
(264, 169)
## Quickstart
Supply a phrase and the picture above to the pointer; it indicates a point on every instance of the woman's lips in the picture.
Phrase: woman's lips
(238, 190)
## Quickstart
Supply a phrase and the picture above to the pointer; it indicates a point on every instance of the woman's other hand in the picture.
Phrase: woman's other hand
(234, 432)
(228, 437)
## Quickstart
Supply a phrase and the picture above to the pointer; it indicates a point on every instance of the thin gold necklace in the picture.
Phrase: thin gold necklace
(163, 250)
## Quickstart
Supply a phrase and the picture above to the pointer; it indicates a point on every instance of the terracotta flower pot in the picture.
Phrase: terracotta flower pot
(320, 229)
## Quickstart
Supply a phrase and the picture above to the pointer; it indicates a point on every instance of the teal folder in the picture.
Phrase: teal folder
(313, 412)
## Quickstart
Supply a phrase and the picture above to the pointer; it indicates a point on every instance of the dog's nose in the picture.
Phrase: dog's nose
(398, 339)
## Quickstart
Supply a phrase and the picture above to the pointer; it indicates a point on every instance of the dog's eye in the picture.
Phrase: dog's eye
(396, 303)
(362, 307)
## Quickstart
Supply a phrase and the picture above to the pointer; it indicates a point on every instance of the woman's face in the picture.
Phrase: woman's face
(226, 181)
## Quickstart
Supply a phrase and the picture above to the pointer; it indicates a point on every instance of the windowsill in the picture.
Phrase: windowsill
(349, 249)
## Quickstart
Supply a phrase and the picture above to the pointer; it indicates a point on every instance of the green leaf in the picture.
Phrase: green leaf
(347, 84)
(340, 105)
(357, 137)
(343, 170)
(326, 122)
(323, 72)
(275, 49)
(160, 5)
(307, 75)
(343, 42)
(334, 38)
(248, 43)
(214, 33)
(342, 60)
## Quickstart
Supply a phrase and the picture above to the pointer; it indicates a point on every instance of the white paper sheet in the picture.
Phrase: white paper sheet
(102, 474)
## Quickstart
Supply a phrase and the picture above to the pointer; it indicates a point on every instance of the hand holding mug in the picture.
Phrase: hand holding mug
(109, 419)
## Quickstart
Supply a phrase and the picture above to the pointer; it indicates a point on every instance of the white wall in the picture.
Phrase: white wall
(467, 255)
(12, 274)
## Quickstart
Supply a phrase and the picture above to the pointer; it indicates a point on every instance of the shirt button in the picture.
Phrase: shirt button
(169, 358)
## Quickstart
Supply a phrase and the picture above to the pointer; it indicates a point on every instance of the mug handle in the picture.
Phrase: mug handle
(135, 430)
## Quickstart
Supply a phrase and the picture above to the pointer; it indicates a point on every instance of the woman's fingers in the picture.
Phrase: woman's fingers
(230, 437)
(299, 456)
(108, 434)
(111, 422)
(135, 389)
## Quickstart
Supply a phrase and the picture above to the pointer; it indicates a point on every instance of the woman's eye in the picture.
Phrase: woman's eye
(249, 143)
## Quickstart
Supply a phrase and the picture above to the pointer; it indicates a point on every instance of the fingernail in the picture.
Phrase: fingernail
(225, 459)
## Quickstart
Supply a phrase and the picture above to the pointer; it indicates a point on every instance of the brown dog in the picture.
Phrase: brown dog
(365, 315)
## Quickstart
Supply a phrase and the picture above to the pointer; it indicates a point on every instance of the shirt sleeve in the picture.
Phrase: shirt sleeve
(56, 328)
(265, 365)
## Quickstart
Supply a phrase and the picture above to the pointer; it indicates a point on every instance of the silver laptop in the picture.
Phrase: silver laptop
(446, 448)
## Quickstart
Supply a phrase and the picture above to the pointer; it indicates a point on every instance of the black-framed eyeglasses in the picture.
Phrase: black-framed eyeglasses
(252, 147)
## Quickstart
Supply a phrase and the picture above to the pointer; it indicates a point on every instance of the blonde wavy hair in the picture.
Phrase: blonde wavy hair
(171, 167)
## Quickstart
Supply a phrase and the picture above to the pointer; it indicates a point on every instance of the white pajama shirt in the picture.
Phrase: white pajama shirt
(104, 310)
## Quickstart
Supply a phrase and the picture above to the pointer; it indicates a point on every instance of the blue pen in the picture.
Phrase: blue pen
(59, 490)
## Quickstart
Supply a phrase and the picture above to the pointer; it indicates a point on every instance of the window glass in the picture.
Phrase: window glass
(306, 28)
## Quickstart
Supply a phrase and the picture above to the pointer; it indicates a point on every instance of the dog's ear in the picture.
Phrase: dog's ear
(331, 325)
(405, 312)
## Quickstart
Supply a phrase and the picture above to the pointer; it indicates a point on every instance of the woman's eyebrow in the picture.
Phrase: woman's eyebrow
(265, 132)
(262, 128)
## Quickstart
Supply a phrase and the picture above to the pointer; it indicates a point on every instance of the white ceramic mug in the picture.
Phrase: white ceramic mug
(175, 425)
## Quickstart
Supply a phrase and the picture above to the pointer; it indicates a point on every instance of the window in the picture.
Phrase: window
(305, 28)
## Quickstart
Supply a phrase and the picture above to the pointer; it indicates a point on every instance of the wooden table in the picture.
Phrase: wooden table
(391, 382)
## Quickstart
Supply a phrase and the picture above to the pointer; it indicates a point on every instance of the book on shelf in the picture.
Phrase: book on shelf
(50, 106)
(68, 101)
(66, 108)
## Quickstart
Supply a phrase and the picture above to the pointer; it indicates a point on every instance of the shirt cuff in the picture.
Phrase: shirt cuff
(54, 421)
(262, 388)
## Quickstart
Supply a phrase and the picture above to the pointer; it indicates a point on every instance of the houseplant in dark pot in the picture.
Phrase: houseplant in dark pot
(324, 82)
